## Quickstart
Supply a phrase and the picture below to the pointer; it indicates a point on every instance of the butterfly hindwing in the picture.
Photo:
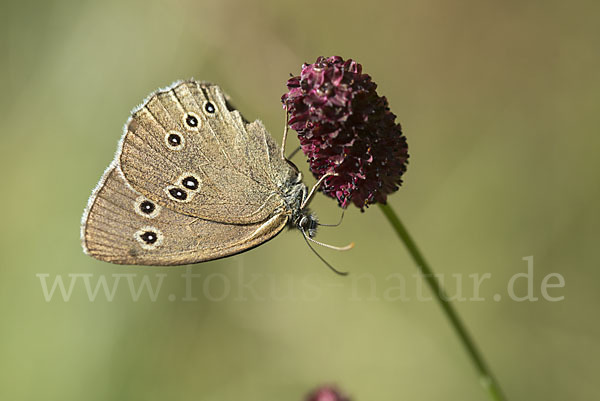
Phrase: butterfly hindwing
(123, 226)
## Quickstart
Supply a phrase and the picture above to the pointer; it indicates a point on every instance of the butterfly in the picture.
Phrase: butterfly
(193, 181)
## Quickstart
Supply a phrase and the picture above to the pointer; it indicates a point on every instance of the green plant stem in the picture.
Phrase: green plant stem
(486, 378)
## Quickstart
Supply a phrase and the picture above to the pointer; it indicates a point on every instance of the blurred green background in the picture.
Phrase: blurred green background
(499, 101)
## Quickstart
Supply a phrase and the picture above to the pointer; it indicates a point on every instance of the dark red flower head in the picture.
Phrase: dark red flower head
(347, 129)
(326, 394)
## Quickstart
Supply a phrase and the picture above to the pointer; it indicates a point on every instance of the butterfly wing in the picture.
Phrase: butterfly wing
(122, 226)
(186, 149)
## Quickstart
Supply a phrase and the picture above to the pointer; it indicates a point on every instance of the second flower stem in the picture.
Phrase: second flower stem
(486, 378)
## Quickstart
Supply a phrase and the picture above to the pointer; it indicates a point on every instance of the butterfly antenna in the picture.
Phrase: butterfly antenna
(333, 269)
(335, 248)
(334, 225)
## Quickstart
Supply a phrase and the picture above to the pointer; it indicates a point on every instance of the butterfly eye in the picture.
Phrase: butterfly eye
(303, 222)
(178, 194)
(209, 107)
(190, 183)
(191, 120)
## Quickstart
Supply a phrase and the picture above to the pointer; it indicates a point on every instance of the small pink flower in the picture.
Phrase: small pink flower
(326, 394)
(347, 129)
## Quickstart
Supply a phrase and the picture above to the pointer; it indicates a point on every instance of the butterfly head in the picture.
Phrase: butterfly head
(295, 195)
(307, 223)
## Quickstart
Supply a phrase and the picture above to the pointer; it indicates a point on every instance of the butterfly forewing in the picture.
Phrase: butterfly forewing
(187, 135)
(242, 144)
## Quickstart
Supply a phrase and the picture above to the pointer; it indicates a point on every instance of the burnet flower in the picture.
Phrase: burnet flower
(346, 129)
(354, 144)
(326, 393)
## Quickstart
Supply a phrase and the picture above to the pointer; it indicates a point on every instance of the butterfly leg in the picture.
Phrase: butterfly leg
(314, 189)
(285, 133)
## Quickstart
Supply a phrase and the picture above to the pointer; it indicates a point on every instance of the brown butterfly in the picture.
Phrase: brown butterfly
(192, 181)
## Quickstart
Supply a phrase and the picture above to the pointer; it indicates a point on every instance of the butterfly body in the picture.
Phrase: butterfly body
(192, 181)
